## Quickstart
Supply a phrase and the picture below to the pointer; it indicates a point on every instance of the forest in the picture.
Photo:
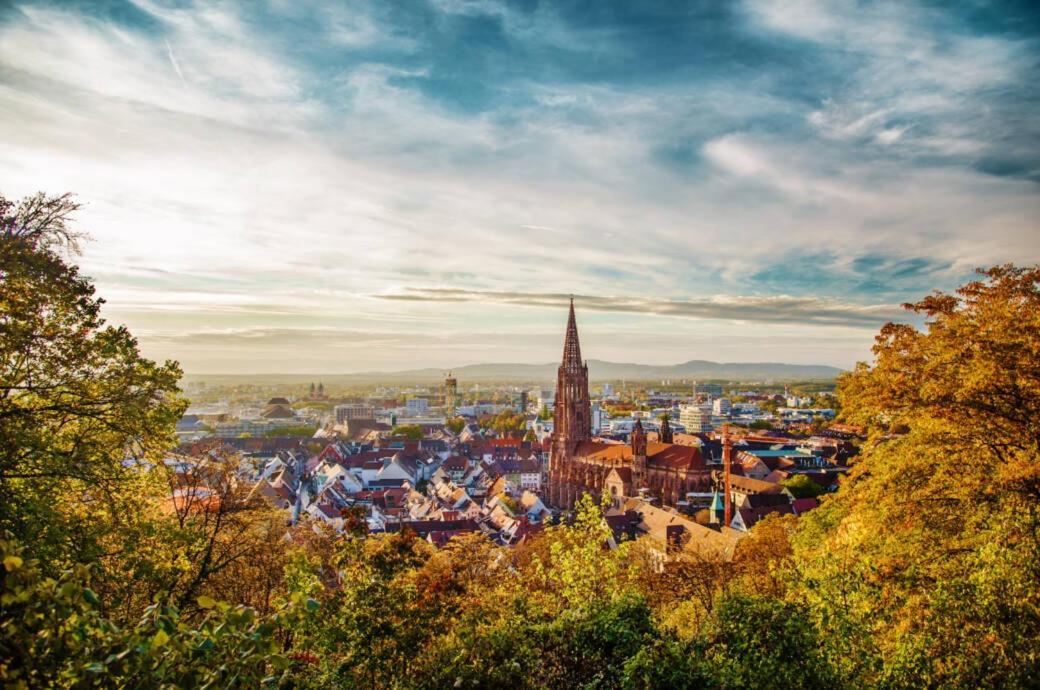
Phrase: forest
(923, 570)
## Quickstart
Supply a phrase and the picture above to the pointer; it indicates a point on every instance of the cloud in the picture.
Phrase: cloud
(932, 81)
(270, 165)
(776, 309)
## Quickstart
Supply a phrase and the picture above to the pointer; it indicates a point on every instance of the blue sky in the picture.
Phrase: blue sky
(286, 186)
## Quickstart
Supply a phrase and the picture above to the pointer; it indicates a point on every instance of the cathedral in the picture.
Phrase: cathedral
(579, 464)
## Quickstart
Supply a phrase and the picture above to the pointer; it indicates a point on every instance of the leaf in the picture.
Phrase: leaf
(280, 662)
(206, 602)
(90, 597)
(12, 563)
(160, 638)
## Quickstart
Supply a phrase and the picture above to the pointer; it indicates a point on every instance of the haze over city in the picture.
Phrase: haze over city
(295, 188)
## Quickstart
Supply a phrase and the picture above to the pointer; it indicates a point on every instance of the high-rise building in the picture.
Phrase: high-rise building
(721, 407)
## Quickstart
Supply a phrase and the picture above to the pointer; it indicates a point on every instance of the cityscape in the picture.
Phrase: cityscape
(500, 460)
(522, 344)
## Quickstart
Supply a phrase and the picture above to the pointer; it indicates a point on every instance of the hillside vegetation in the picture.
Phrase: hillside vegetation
(922, 571)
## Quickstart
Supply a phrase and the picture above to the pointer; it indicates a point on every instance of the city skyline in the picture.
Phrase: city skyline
(294, 188)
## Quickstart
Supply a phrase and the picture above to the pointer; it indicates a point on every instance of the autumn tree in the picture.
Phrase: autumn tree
(82, 414)
(924, 568)
(56, 635)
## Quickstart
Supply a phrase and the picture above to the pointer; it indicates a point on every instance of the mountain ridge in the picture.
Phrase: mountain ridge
(599, 370)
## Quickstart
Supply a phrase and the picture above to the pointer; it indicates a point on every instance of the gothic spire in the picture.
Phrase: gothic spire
(571, 348)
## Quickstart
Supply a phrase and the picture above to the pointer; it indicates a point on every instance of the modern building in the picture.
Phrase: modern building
(721, 407)
(710, 390)
(696, 418)
(348, 412)
(417, 407)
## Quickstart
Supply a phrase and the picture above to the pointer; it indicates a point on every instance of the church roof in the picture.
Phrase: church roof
(660, 455)
(673, 456)
(599, 450)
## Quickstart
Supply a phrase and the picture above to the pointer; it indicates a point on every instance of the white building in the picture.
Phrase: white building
(417, 407)
(721, 407)
(696, 418)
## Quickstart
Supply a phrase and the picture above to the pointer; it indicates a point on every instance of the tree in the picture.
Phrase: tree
(82, 414)
(55, 635)
(801, 486)
(413, 432)
(762, 642)
(922, 568)
(455, 425)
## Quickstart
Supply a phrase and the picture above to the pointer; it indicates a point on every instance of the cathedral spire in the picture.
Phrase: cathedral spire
(572, 417)
(571, 347)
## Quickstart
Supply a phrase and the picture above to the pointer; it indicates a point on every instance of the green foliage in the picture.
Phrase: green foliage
(413, 432)
(53, 635)
(801, 486)
(762, 642)
(455, 425)
(77, 401)
(507, 422)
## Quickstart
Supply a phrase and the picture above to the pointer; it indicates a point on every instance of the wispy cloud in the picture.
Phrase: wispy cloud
(775, 309)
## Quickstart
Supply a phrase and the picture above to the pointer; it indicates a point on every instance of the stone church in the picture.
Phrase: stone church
(580, 464)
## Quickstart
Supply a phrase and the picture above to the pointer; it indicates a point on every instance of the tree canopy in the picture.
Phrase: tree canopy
(80, 410)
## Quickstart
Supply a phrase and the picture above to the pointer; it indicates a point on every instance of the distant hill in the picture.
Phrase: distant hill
(598, 370)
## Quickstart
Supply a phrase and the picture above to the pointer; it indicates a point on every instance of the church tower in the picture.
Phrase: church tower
(638, 440)
(665, 436)
(572, 420)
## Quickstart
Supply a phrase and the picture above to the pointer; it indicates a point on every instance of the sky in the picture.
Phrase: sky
(291, 187)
